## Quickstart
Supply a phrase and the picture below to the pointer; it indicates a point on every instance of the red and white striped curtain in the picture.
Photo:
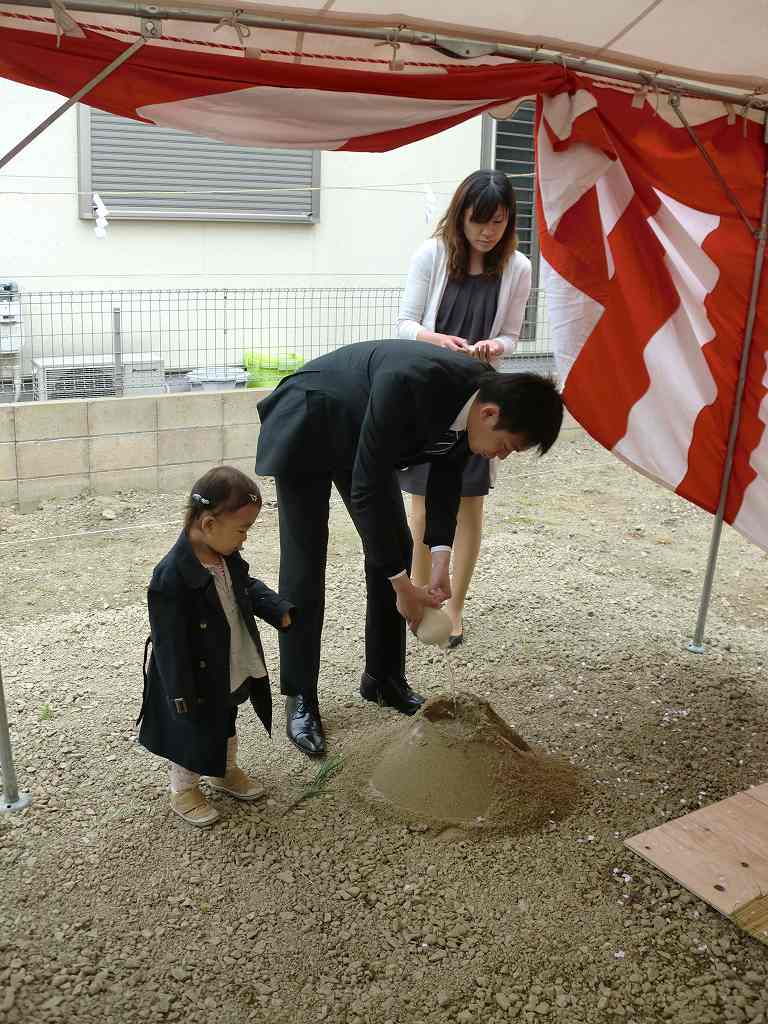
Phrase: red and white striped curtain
(215, 90)
(647, 266)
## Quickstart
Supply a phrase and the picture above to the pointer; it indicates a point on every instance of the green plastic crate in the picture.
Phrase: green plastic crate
(266, 370)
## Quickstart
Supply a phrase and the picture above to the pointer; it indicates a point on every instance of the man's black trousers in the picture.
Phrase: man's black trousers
(303, 508)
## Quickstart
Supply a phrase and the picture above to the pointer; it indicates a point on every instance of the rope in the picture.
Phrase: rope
(65, 23)
(395, 64)
(84, 533)
(415, 188)
(45, 538)
(112, 30)
(243, 31)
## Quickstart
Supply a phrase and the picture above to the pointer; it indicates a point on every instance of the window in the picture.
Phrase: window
(150, 173)
(508, 146)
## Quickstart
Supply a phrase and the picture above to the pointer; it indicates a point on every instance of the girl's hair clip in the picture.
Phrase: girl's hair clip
(255, 499)
(200, 500)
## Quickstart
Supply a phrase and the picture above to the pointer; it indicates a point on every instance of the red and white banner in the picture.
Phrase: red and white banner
(647, 267)
(272, 103)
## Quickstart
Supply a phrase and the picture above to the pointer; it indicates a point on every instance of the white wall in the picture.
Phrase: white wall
(371, 218)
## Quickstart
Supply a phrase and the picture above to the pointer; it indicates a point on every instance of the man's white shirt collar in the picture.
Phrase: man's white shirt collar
(460, 423)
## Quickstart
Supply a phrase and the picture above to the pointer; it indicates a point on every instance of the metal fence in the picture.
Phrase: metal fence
(101, 343)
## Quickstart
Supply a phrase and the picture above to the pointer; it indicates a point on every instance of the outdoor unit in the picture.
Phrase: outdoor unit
(97, 376)
(11, 335)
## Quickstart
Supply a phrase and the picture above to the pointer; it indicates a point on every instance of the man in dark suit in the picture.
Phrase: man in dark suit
(352, 418)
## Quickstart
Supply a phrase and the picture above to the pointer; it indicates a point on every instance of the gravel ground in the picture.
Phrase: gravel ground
(111, 910)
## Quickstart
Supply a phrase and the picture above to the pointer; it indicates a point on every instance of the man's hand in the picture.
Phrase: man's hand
(286, 620)
(411, 601)
(487, 350)
(440, 577)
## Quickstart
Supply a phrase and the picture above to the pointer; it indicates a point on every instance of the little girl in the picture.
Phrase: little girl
(207, 656)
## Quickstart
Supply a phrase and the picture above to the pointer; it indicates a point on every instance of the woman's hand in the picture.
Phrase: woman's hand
(450, 341)
(488, 350)
(440, 577)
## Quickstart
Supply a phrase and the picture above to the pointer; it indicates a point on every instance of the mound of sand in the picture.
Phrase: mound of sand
(459, 763)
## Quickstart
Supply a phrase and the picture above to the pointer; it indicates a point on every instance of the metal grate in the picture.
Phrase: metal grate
(148, 172)
(81, 344)
(514, 154)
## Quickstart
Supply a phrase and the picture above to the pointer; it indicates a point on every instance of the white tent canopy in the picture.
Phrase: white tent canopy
(674, 37)
(700, 41)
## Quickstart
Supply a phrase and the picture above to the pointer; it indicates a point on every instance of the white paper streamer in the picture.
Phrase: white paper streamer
(101, 216)
(430, 204)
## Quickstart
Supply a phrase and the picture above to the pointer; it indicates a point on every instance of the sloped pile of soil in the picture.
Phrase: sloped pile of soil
(459, 763)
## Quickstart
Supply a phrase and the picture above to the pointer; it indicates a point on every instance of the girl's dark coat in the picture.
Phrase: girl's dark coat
(185, 712)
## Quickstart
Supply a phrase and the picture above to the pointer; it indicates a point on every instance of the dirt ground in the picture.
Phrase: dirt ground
(113, 911)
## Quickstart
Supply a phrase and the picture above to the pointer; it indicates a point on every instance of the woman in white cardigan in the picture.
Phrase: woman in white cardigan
(467, 290)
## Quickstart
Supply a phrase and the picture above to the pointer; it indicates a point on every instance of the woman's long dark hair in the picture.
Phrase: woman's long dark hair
(483, 192)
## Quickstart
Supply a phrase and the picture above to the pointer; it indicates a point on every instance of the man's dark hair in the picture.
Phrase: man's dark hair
(530, 404)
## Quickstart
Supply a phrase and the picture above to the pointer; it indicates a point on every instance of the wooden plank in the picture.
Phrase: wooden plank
(754, 918)
(759, 793)
(719, 853)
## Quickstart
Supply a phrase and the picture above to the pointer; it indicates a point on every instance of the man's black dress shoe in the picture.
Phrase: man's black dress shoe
(392, 693)
(303, 726)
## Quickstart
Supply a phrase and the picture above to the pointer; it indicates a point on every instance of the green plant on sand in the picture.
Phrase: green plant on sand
(324, 774)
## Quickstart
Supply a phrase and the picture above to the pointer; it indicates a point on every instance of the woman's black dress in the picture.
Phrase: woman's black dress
(467, 310)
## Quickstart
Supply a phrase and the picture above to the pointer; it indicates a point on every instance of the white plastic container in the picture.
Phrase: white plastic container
(434, 628)
(217, 378)
(177, 383)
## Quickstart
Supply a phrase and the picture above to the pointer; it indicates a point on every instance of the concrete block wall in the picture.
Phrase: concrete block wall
(60, 449)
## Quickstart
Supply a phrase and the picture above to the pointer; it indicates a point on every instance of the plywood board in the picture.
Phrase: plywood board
(719, 853)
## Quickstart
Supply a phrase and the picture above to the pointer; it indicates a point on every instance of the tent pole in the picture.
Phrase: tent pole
(696, 646)
(124, 56)
(11, 799)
